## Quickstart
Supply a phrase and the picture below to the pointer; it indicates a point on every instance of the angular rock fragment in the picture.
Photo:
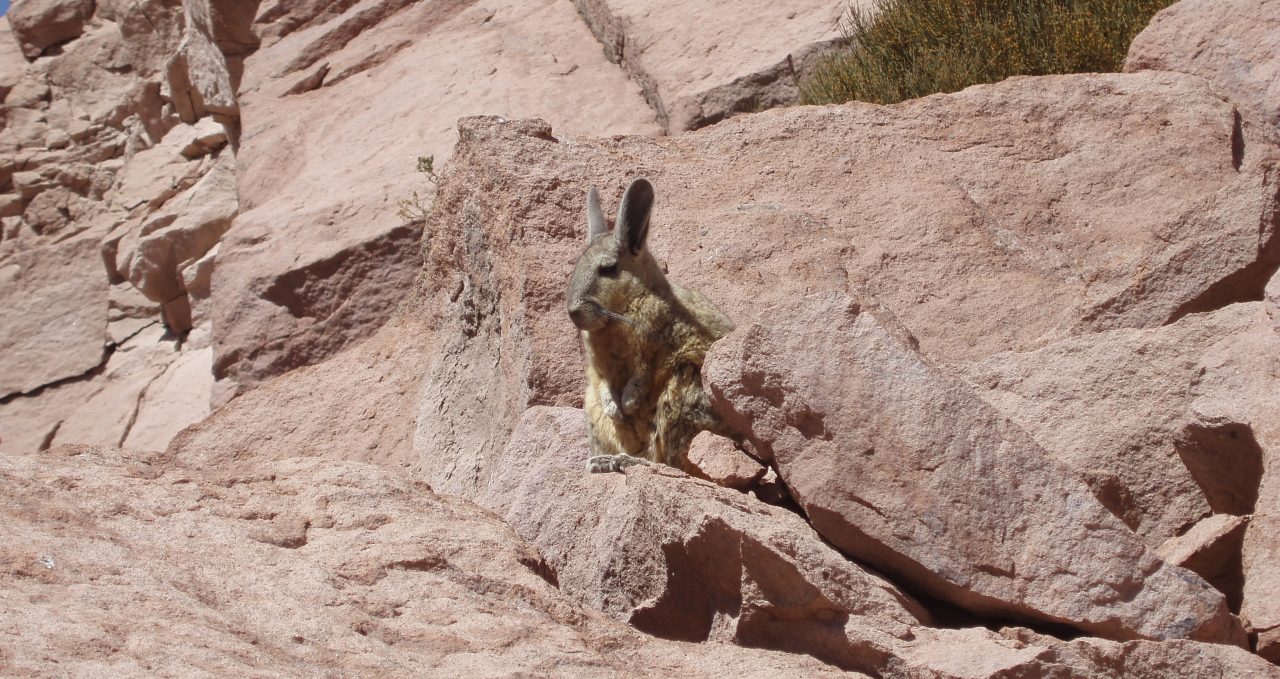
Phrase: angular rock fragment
(906, 468)
(722, 463)
(39, 24)
(682, 559)
(1211, 549)
(175, 399)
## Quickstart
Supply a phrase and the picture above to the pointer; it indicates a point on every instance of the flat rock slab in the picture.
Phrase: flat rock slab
(999, 218)
(1233, 43)
(55, 315)
(281, 568)
(905, 468)
(335, 116)
(701, 63)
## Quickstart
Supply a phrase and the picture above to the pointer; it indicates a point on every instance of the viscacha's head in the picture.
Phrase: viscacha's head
(616, 268)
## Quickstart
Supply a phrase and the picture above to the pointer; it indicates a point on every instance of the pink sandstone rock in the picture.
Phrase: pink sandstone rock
(55, 308)
(903, 467)
(935, 205)
(40, 24)
(122, 563)
(699, 64)
(1211, 549)
(319, 258)
(1233, 446)
(358, 406)
(1109, 406)
(107, 414)
(177, 398)
(683, 559)
(722, 463)
(1233, 43)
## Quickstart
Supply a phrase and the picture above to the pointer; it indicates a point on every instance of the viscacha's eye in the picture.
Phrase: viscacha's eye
(609, 270)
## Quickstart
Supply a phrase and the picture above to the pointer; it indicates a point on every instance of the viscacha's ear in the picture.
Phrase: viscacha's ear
(595, 216)
(633, 216)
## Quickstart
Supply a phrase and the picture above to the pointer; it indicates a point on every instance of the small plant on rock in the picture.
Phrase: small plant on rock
(912, 48)
(411, 208)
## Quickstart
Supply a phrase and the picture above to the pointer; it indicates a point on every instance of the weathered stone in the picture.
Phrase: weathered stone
(1043, 219)
(1233, 434)
(283, 568)
(154, 175)
(331, 222)
(106, 414)
(128, 312)
(177, 398)
(359, 405)
(1109, 406)
(683, 559)
(176, 236)
(698, 64)
(40, 24)
(949, 495)
(96, 80)
(206, 136)
(55, 307)
(197, 278)
(1233, 43)
(720, 461)
(198, 80)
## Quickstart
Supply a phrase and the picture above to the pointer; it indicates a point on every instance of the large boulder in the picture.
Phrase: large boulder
(904, 467)
(1110, 407)
(699, 64)
(335, 116)
(40, 24)
(1233, 43)
(999, 218)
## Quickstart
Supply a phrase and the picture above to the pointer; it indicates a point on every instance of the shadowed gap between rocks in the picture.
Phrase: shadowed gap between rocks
(1226, 462)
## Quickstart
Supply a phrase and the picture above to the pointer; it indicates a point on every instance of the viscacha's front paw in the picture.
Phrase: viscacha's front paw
(601, 464)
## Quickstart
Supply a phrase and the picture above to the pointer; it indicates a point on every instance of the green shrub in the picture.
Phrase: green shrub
(911, 48)
(411, 209)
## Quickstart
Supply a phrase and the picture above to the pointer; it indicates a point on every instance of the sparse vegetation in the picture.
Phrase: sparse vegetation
(411, 208)
(912, 48)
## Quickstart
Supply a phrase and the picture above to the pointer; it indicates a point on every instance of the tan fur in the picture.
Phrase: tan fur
(645, 340)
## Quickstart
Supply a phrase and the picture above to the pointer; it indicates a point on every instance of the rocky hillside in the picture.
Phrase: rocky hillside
(1006, 371)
